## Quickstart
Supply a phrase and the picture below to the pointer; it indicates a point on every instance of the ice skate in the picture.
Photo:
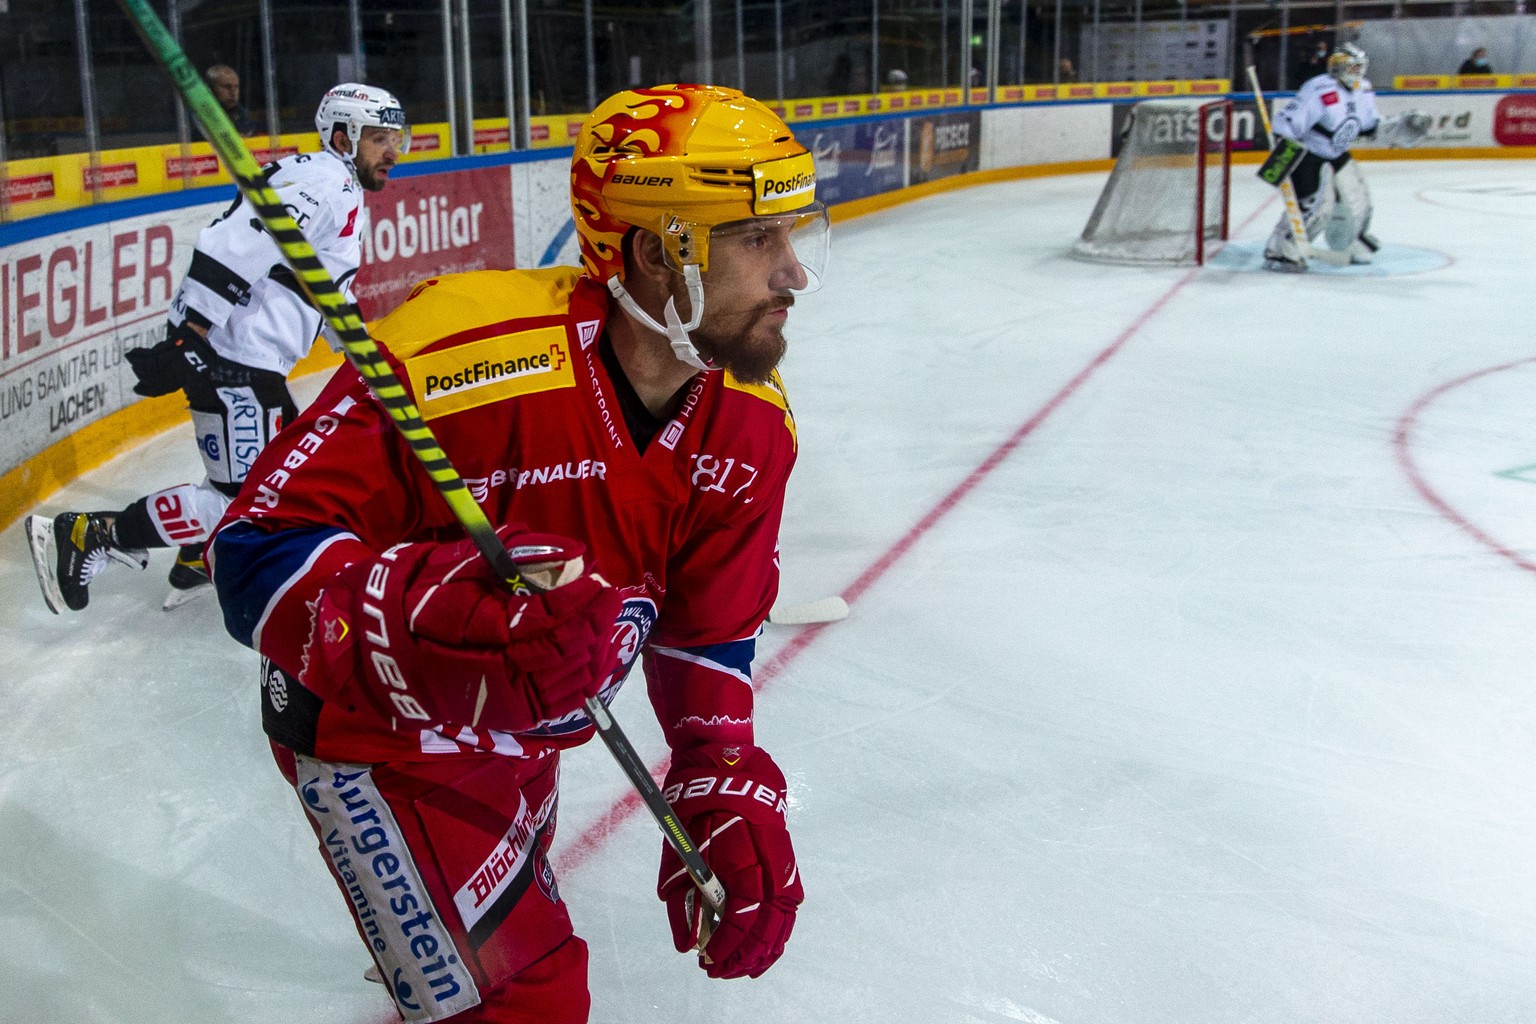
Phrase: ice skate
(1284, 264)
(69, 550)
(188, 577)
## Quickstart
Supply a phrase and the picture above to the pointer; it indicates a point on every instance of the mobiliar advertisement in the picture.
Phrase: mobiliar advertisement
(70, 305)
(420, 227)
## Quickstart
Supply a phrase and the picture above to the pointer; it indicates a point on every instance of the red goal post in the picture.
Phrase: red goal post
(1169, 192)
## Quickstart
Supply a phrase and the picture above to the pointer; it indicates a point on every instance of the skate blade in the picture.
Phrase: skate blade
(176, 598)
(44, 558)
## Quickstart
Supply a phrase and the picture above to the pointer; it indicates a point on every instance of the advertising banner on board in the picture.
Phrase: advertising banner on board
(854, 161)
(943, 145)
(70, 305)
(433, 224)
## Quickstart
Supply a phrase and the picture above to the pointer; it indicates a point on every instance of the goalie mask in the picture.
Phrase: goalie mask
(684, 162)
(1348, 64)
(351, 107)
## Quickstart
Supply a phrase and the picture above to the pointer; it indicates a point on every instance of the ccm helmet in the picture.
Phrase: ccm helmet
(1348, 64)
(680, 161)
(351, 107)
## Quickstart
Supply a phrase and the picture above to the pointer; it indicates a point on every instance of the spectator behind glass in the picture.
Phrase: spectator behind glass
(225, 84)
(1477, 64)
(1312, 64)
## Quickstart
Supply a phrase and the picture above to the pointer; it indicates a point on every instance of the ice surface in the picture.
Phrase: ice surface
(1209, 701)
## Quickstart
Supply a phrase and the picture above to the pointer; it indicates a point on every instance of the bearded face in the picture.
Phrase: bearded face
(378, 150)
(748, 291)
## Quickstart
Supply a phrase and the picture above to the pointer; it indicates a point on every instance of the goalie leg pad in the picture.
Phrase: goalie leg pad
(1312, 178)
(1281, 248)
(1317, 201)
(1351, 218)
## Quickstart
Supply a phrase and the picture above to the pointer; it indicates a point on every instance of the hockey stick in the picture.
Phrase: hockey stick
(1288, 191)
(381, 380)
(828, 609)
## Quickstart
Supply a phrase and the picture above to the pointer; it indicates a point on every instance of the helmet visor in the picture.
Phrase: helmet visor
(796, 244)
(397, 139)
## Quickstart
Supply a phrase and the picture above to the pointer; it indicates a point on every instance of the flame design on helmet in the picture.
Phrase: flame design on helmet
(671, 159)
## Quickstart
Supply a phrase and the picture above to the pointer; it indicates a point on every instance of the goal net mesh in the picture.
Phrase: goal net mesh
(1167, 195)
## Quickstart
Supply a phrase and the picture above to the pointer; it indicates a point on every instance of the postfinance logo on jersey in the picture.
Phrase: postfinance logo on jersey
(466, 376)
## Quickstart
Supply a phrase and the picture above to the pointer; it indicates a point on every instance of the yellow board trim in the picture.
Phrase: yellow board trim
(34, 481)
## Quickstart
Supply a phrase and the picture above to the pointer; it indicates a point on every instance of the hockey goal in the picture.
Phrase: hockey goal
(1168, 194)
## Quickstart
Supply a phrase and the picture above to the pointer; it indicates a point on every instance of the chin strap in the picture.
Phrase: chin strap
(675, 331)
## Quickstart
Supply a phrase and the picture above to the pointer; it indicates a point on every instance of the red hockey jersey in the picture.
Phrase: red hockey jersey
(505, 368)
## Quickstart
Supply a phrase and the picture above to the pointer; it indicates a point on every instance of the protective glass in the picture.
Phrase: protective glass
(400, 139)
(807, 231)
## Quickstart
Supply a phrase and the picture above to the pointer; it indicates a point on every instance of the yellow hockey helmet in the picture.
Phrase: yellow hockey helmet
(678, 160)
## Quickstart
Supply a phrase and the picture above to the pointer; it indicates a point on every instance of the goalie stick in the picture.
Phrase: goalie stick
(1288, 190)
(364, 355)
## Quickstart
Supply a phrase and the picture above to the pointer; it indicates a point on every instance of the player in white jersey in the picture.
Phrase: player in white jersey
(1313, 134)
(1327, 114)
(238, 324)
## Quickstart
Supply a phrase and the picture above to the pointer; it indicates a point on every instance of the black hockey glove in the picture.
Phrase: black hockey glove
(165, 367)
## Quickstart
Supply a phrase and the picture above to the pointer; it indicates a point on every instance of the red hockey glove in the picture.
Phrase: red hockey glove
(427, 634)
(731, 801)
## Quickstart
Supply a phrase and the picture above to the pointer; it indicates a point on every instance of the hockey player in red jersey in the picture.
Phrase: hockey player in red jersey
(624, 426)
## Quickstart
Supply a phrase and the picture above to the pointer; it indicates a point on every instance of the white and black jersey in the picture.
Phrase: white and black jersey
(1326, 116)
(238, 284)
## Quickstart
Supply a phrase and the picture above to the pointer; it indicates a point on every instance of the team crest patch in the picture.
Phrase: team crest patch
(277, 687)
(476, 374)
(544, 876)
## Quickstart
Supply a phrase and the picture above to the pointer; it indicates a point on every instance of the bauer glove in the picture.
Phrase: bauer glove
(428, 634)
(730, 798)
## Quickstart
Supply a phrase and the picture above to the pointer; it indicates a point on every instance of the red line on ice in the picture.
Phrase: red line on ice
(1402, 442)
(583, 846)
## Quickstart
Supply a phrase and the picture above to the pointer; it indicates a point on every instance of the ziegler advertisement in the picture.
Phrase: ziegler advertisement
(71, 303)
